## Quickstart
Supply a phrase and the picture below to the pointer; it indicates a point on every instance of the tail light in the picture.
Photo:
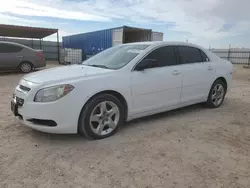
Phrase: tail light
(40, 55)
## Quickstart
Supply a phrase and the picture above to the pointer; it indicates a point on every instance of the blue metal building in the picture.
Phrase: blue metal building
(96, 41)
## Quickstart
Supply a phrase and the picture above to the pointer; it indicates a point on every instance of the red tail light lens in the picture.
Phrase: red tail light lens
(40, 55)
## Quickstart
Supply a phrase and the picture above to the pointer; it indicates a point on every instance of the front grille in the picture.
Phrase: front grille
(24, 88)
(19, 101)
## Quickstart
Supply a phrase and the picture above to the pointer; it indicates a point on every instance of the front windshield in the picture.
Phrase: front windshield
(115, 57)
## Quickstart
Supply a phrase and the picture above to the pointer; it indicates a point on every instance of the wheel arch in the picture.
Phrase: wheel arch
(25, 61)
(117, 94)
(223, 80)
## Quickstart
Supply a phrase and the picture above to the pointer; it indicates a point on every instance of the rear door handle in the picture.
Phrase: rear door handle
(210, 68)
(176, 72)
(20, 56)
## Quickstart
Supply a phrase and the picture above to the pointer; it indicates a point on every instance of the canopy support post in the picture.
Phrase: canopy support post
(58, 47)
(40, 44)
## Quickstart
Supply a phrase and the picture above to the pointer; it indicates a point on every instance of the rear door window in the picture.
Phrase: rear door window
(10, 48)
(189, 55)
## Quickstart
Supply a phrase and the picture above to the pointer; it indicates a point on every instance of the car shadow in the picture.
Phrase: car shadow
(76, 138)
(57, 139)
(164, 115)
(4, 73)
(16, 72)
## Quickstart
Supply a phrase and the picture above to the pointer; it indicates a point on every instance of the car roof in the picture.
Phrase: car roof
(158, 43)
(162, 43)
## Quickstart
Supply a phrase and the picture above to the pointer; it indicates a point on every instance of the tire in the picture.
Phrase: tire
(217, 94)
(26, 67)
(95, 122)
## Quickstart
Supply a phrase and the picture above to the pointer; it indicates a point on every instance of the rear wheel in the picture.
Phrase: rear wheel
(101, 117)
(217, 94)
(26, 67)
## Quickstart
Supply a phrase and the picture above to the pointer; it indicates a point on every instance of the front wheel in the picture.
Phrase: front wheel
(101, 117)
(217, 94)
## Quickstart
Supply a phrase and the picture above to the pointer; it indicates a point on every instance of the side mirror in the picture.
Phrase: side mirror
(146, 64)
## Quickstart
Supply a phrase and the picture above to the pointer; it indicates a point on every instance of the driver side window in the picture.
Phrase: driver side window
(163, 56)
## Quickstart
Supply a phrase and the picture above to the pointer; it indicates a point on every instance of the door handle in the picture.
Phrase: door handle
(20, 56)
(176, 72)
(210, 68)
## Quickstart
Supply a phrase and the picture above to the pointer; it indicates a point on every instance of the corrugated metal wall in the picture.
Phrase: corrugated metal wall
(94, 42)
(49, 47)
(117, 36)
(157, 36)
(90, 43)
(137, 36)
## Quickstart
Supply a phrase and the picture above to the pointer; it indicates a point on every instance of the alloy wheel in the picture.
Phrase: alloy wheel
(104, 118)
(218, 94)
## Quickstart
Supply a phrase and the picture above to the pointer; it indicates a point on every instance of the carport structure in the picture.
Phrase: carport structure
(29, 32)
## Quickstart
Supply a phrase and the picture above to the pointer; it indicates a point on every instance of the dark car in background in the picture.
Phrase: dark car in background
(14, 56)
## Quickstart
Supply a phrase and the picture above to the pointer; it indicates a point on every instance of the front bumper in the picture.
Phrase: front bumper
(55, 130)
(64, 112)
(65, 123)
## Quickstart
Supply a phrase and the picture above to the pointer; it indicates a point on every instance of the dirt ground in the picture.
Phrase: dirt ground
(187, 148)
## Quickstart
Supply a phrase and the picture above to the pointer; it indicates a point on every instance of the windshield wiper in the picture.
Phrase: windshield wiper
(99, 66)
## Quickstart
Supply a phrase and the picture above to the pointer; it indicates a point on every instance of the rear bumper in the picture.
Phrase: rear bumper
(40, 64)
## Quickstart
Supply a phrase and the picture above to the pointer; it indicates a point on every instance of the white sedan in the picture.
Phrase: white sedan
(120, 84)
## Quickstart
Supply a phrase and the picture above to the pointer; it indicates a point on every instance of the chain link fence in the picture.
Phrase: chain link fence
(50, 48)
(236, 56)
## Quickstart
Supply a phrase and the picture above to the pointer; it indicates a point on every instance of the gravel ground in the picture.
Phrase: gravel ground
(185, 148)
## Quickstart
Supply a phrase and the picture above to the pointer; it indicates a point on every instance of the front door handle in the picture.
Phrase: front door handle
(176, 72)
(210, 68)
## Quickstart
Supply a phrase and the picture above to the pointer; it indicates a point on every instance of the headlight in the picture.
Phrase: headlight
(53, 93)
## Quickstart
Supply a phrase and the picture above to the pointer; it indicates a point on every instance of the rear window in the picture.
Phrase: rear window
(10, 48)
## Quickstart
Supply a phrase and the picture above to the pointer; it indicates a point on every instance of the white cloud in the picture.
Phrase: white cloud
(202, 19)
(34, 8)
(6, 19)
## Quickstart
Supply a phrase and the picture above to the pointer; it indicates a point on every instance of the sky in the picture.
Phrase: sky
(210, 23)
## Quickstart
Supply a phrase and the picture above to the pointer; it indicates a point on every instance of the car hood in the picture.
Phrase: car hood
(64, 73)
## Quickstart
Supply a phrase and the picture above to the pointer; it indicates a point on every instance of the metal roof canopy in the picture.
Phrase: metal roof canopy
(29, 32)
(25, 32)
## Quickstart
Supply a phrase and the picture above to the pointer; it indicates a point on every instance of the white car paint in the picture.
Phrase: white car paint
(151, 85)
(146, 92)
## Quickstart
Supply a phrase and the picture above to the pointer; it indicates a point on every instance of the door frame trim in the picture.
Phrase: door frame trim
(156, 47)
